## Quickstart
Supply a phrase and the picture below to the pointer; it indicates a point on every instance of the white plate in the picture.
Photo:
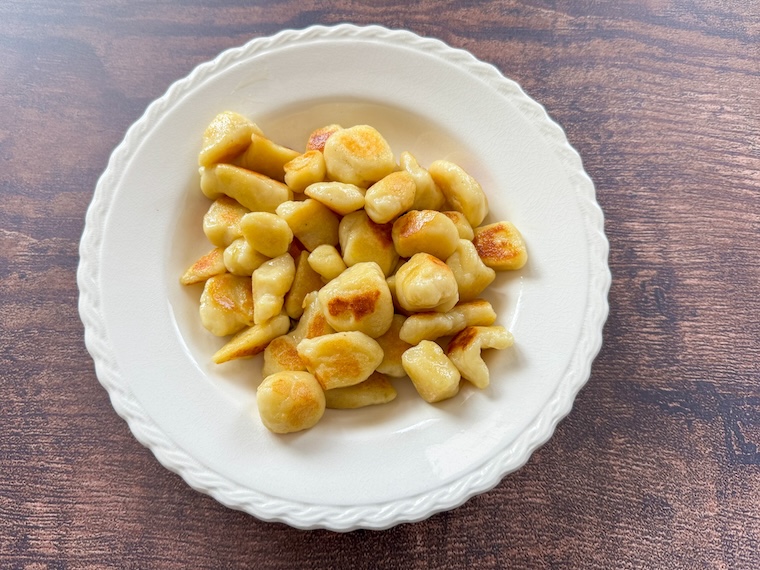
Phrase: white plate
(370, 468)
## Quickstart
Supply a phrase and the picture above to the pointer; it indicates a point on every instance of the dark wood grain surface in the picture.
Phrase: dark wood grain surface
(658, 464)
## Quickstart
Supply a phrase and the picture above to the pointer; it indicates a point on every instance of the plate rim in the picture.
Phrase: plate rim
(372, 516)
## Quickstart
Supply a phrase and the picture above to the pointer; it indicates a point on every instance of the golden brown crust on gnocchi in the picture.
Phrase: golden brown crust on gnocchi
(313, 322)
(425, 231)
(358, 300)
(501, 246)
(318, 138)
(221, 223)
(207, 266)
(282, 354)
(226, 304)
(358, 155)
(304, 170)
(340, 359)
(465, 348)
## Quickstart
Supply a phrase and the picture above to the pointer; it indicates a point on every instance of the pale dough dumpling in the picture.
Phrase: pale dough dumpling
(270, 283)
(425, 283)
(290, 401)
(326, 261)
(427, 196)
(462, 191)
(241, 259)
(266, 157)
(432, 325)
(373, 391)
(358, 155)
(358, 300)
(339, 197)
(362, 240)
(227, 135)
(267, 233)
(391, 196)
(434, 376)
(340, 359)
(255, 191)
(460, 221)
(472, 275)
(311, 222)
(305, 281)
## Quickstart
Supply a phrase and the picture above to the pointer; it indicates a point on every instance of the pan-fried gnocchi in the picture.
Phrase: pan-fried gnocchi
(350, 268)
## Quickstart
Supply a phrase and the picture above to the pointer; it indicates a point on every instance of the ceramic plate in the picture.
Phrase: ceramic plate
(370, 468)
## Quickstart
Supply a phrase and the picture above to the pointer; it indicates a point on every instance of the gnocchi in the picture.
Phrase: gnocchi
(433, 374)
(462, 191)
(327, 261)
(340, 359)
(425, 283)
(373, 391)
(304, 170)
(345, 268)
(358, 300)
(425, 231)
(290, 401)
(464, 351)
(267, 233)
(389, 197)
(362, 240)
(339, 197)
(271, 281)
(358, 155)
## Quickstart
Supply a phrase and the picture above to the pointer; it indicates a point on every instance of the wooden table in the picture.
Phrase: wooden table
(657, 466)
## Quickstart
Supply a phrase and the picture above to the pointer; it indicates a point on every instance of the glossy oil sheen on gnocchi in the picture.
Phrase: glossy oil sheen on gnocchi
(349, 268)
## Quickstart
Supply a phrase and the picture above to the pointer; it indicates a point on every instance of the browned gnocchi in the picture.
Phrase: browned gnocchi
(349, 268)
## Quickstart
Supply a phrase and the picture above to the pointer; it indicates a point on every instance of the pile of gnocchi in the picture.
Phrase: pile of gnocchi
(345, 267)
